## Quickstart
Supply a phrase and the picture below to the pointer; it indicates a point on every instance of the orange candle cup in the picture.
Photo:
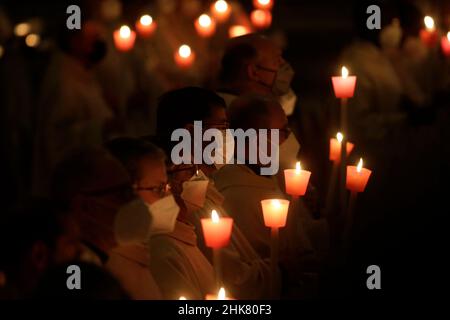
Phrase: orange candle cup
(445, 44)
(344, 86)
(184, 56)
(335, 147)
(429, 35)
(205, 26)
(263, 4)
(217, 231)
(261, 19)
(275, 212)
(357, 177)
(237, 31)
(296, 180)
(145, 26)
(124, 38)
(221, 10)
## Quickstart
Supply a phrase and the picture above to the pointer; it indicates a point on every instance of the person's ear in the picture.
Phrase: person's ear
(252, 72)
(40, 256)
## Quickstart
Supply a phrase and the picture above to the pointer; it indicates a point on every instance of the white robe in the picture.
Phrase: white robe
(178, 265)
(130, 265)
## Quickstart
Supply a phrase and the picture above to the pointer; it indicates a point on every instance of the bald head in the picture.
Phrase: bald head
(244, 51)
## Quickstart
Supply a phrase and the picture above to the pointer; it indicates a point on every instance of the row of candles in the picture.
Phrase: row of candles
(429, 36)
(217, 230)
(205, 25)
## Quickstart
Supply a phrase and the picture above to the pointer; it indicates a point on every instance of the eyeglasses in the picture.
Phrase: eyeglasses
(160, 190)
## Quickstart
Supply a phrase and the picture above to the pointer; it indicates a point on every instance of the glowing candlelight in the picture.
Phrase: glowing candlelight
(184, 56)
(357, 177)
(263, 4)
(124, 38)
(237, 31)
(182, 298)
(221, 10)
(221, 295)
(335, 147)
(275, 212)
(445, 44)
(429, 35)
(145, 26)
(296, 180)
(22, 29)
(261, 19)
(344, 86)
(217, 230)
(205, 26)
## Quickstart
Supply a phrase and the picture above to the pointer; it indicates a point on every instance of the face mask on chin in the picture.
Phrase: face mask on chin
(164, 213)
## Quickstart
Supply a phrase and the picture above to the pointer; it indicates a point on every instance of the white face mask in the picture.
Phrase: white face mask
(225, 150)
(194, 192)
(288, 152)
(164, 214)
(288, 102)
(132, 223)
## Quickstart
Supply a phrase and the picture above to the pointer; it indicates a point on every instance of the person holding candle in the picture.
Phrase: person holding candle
(245, 273)
(243, 189)
(178, 266)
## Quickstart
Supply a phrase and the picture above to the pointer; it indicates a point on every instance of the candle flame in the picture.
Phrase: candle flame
(339, 137)
(276, 203)
(146, 20)
(204, 21)
(221, 295)
(448, 36)
(184, 51)
(298, 168)
(221, 6)
(124, 31)
(264, 2)
(344, 72)
(360, 164)
(237, 31)
(429, 22)
(196, 172)
(182, 298)
(215, 217)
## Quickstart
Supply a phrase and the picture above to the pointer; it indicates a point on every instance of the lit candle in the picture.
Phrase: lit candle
(296, 180)
(445, 44)
(335, 147)
(357, 177)
(217, 231)
(344, 86)
(182, 298)
(429, 34)
(205, 26)
(184, 57)
(237, 31)
(124, 38)
(221, 295)
(145, 26)
(261, 19)
(275, 212)
(263, 4)
(221, 10)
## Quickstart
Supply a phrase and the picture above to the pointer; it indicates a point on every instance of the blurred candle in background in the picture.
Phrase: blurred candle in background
(221, 10)
(237, 31)
(357, 177)
(145, 26)
(221, 295)
(296, 180)
(205, 26)
(445, 44)
(335, 147)
(217, 230)
(261, 19)
(263, 4)
(429, 35)
(184, 57)
(124, 38)
(344, 86)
